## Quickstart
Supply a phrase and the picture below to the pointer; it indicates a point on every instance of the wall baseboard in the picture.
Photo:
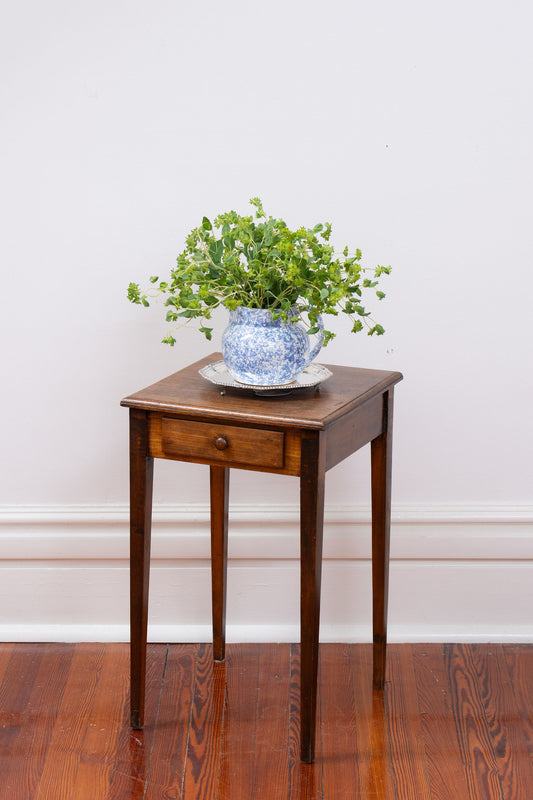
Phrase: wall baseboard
(458, 573)
(259, 634)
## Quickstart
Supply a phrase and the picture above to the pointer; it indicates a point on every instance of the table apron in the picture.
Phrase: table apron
(263, 449)
(353, 430)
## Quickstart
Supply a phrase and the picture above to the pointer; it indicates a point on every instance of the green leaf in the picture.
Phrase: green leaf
(154, 279)
(206, 224)
(145, 302)
(134, 293)
(206, 331)
(314, 329)
(381, 295)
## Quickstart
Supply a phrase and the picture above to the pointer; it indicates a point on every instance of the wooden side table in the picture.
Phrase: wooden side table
(305, 433)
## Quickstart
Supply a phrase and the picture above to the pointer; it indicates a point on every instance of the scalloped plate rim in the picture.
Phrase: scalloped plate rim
(222, 377)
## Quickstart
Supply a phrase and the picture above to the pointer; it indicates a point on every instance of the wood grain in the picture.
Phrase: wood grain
(44, 674)
(454, 723)
(446, 773)
(20, 675)
(216, 442)
(508, 740)
(472, 731)
(240, 717)
(290, 452)
(381, 469)
(141, 486)
(312, 484)
(306, 781)
(168, 754)
(98, 751)
(205, 728)
(519, 661)
(407, 744)
(270, 762)
(339, 731)
(186, 392)
(134, 748)
(355, 429)
(371, 746)
(219, 503)
(67, 741)
(6, 650)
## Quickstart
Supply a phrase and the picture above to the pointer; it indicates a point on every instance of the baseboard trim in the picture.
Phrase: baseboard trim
(496, 532)
(259, 634)
(458, 573)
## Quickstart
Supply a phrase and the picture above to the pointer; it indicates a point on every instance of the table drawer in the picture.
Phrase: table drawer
(223, 443)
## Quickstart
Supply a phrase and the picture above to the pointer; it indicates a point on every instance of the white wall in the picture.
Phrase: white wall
(409, 127)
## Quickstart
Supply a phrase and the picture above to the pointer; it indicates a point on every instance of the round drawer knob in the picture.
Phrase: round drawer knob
(221, 443)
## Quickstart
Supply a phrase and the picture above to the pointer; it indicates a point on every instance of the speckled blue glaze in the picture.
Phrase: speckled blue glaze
(260, 351)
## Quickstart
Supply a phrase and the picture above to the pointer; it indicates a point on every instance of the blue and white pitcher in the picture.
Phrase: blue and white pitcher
(261, 351)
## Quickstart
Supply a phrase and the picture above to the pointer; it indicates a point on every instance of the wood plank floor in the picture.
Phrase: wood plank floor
(455, 722)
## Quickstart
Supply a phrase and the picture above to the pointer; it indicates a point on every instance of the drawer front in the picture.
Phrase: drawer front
(222, 443)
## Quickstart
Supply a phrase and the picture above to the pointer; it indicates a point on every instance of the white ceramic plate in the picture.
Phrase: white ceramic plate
(219, 374)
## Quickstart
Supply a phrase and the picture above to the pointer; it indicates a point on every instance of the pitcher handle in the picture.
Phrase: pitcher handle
(320, 335)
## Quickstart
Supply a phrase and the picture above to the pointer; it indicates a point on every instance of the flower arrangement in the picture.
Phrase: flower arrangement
(259, 262)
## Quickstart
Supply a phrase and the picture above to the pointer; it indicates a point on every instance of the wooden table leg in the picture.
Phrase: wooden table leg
(381, 458)
(141, 482)
(312, 479)
(219, 489)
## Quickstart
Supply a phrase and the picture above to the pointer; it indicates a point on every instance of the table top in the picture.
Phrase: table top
(189, 395)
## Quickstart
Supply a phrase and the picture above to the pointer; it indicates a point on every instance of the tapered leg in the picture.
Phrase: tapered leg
(141, 482)
(312, 478)
(381, 457)
(219, 485)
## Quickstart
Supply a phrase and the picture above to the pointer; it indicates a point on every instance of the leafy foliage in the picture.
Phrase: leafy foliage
(258, 262)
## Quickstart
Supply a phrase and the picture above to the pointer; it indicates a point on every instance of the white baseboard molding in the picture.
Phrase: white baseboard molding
(458, 573)
(260, 634)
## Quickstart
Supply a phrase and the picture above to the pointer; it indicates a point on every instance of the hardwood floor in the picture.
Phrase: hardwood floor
(455, 722)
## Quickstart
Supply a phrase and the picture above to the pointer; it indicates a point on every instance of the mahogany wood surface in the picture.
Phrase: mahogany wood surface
(304, 433)
(227, 444)
(381, 467)
(311, 536)
(219, 494)
(187, 393)
(286, 456)
(141, 485)
(454, 722)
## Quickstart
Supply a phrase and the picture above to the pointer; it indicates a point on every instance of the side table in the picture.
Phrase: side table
(304, 433)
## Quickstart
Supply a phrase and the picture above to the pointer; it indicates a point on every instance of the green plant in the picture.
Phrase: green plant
(261, 263)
